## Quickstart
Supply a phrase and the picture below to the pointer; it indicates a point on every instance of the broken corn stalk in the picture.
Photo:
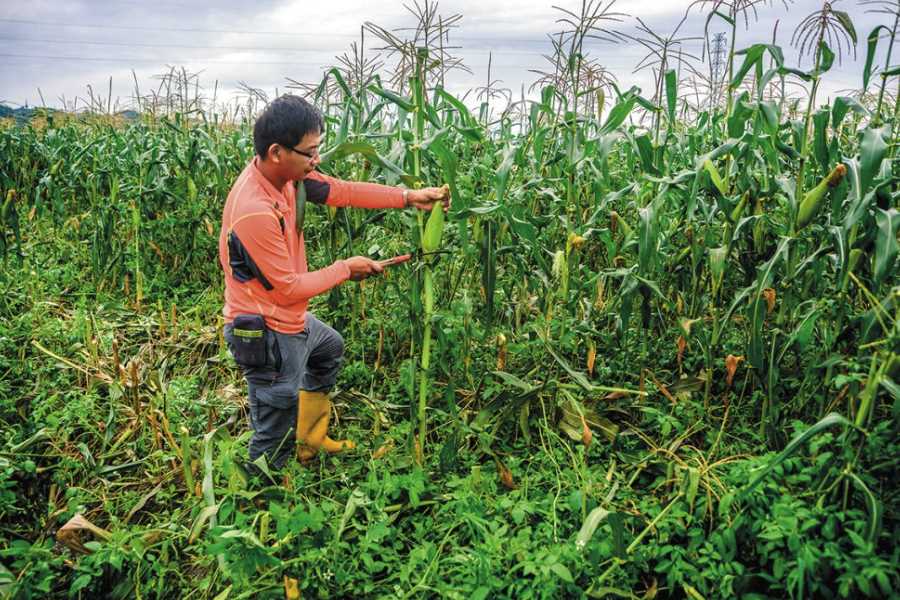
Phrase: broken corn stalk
(431, 241)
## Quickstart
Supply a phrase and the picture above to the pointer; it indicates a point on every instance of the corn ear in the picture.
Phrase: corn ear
(616, 221)
(714, 176)
(738, 211)
(434, 228)
(813, 199)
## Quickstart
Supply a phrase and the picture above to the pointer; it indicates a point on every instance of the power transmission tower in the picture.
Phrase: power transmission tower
(717, 68)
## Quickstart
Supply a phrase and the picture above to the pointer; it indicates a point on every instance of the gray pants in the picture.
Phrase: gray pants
(309, 361)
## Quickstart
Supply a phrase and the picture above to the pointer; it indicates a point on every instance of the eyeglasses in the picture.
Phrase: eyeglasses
(309, 155)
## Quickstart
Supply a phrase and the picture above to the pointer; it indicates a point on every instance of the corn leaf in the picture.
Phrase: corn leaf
(618, 114)
(872, 149)
(752, 55)
(593, 520)
(671, 94)
(842, 105)
(873, 506)
(829, 420)
(369, 151)
(715, 177)
(827, 59)
(404, 103)
(885, 243)
(871, 45)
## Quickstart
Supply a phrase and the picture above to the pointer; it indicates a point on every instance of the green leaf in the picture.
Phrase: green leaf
(753, 55)
(593, 520)
(404, 103)
(723, 16)
(872, 43)
(842, 247)
(843, 104)
(715, 177)
(562, 571)
(803, 332)
(829, 420)
(618, 114)
(757, 310)
(617, 524)
(820, 138)
(368, 150)
(872, 505)
(577, 376)
(872, 149)
(205, 515)
(514, 381)
(847, 23)
(339, 78)
(501, 178)
(671, 93)
(768, 110)
(647, 239)
(885, 243)
(645, 153)
(827, 58)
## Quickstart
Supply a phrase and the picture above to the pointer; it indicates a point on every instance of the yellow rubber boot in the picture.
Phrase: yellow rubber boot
(313, 415)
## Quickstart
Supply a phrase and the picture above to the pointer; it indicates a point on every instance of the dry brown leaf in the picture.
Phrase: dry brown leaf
(731, 365)
(418, 450)
(659, 385)
(501, 352)
(769, 295)
(686, 325)
(574, 418)
(587, 436)
(291, 588)
(383, 450)
(591, 357)
(681, 344)
(576, 241)
(70, 533)
(506, 477)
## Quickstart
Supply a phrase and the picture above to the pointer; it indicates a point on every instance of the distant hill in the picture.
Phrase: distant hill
(18, 113)
(23, 114)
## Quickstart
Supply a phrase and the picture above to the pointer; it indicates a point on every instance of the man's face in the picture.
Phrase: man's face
(294, 163)
(304, 157)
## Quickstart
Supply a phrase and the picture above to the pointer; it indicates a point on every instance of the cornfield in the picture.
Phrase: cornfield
(654, 353)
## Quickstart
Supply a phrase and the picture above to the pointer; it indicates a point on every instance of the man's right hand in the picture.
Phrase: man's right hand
(362, 267)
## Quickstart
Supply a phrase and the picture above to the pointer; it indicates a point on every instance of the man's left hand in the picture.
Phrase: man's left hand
(425, 198)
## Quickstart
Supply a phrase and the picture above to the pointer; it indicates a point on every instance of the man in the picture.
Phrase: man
(280, 347)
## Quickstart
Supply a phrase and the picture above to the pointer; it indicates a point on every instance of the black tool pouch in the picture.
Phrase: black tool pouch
(249, 346)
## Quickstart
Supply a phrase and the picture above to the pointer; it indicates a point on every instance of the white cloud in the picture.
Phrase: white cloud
(284, 38)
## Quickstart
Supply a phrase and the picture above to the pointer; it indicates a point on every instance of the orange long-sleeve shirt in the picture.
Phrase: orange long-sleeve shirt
(262, 254)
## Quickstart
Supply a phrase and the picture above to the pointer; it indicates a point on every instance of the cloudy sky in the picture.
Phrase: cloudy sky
(60, 48)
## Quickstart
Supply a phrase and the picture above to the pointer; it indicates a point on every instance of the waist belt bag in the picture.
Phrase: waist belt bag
(250, 333)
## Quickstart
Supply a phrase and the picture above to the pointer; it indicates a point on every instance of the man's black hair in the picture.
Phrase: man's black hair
(285, 121)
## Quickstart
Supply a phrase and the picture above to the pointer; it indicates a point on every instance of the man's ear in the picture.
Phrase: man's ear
(274, 153)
